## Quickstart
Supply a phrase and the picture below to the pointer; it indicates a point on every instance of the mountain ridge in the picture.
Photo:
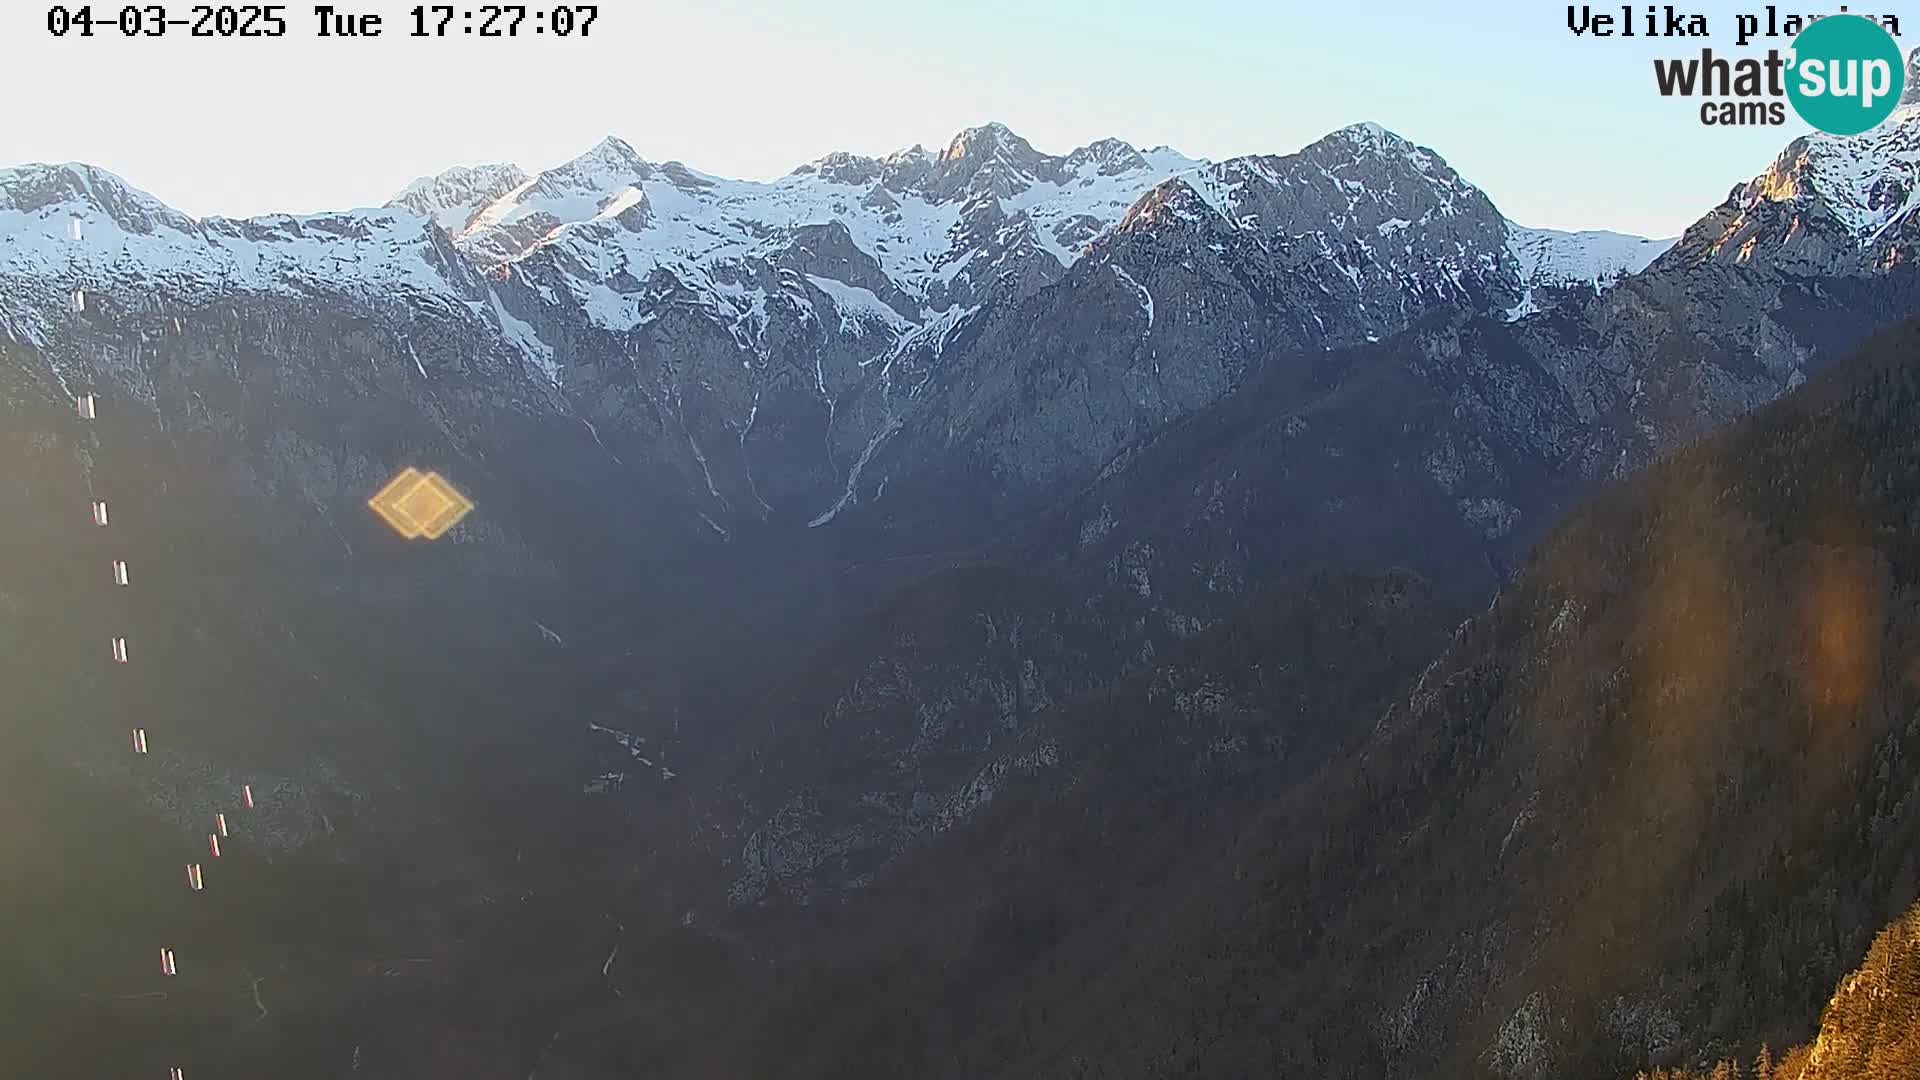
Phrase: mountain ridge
(722, 433)
(817, 303)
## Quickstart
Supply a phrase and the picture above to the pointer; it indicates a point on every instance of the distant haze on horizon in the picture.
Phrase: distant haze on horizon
(1560, 131)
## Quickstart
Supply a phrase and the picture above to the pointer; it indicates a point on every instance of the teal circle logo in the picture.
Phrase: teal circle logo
(1846, 74)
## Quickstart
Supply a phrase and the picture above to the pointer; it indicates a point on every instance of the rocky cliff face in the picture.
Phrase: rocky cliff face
(1166, 428)
(1646, 810)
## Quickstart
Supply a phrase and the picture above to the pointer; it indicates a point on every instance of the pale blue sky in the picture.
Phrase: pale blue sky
(1560, 131)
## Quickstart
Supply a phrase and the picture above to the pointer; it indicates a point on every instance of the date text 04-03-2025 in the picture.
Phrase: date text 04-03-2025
(271, 20)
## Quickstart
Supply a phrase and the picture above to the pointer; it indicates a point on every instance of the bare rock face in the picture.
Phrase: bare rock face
(1196, 407)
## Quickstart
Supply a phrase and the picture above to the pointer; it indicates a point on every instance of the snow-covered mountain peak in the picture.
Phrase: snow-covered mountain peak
(883, 245)
(1361, 176)
(609, 168)
(682, 175)
(71, 189)
(611, 156)
(1370, 134)
(1866, 182)
(1368, 141)
(451, 198)
(1859, 178)
(841, 167)
(988, 213)
(1390, 221)
(1107, 157)
(912, 155)
(990, 159)
(987, 140)
(68, 230)
(1176, 199)
(1827, 205)
(603, 182)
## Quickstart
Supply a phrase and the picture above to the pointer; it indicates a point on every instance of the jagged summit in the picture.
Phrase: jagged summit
(945, 229)
(1359, 174)
(605, 181)
(841, 167)
(985, 212)
(41, 187)
(991, 159)
(1107, 156)
(453, 196)
(72, 226)
(1368, 137)
(917, 237)
(1912, 94)
(1829, 204)
(610, 165)
(612, 152)
(988, 159)
(989, 212)
(1368, 132)
(1389, 224)
(987, 139)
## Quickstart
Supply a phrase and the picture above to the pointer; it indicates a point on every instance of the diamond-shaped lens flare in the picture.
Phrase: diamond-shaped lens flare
(420, 505)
